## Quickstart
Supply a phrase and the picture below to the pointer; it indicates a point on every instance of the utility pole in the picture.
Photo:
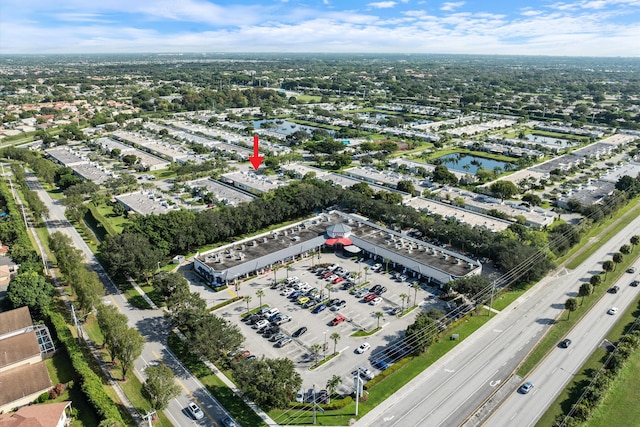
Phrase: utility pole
(314, 403)
(358, 385)
(149, 417)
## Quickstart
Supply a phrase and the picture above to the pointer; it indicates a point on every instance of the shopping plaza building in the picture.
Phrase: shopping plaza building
(353, 235)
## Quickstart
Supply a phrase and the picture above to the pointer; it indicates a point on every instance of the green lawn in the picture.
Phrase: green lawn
(621, 402)
(61, 371)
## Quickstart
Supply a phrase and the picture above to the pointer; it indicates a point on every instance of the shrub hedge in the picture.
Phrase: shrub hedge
(91, 384)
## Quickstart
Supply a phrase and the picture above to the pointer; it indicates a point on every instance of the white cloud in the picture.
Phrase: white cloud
(451, 5)
(382, 4)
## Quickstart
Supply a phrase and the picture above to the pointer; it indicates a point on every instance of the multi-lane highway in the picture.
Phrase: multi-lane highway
(151, 324)
(555, 372)
(451, 389)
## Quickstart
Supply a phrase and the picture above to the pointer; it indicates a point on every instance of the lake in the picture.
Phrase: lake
(468, 163)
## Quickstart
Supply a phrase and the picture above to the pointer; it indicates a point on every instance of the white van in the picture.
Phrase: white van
(271, 312)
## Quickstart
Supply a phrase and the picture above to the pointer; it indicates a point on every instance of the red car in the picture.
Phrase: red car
(337, 320)
(370, 297)
(338, 280)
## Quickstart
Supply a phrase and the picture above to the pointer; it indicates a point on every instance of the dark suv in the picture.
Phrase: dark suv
(614, 290)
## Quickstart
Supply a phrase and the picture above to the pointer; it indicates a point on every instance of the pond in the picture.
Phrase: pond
(549, 140)
(468, 163)
(284, 127)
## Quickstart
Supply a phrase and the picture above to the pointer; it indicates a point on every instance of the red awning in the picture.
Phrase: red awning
(340, 240)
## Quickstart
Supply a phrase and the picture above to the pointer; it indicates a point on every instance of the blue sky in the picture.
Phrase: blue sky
(571, 27)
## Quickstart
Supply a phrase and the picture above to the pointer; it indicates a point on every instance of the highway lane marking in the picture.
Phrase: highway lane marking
(497, 330)
(387, 419)
(554, 371)
(449, 370)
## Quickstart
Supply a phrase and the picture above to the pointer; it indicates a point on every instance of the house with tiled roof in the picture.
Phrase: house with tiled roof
(49, 415)
(23, 347)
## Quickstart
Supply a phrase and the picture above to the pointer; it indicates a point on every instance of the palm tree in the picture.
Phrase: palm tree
(404, 296)
(315, 349)
(260, 294)
(275, 269)
(618, 258)
(570, 305)
(625, 249)
(329, 288)
(333, 383)
(247, 299)
(595, 280)
(415, 287)
(635, 240)
(585, 290)
(607, 266)
(378, 315)
(288, 268)
(335, 337)
(366, 269)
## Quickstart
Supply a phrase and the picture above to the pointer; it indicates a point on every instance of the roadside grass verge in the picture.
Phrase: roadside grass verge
(620, 402)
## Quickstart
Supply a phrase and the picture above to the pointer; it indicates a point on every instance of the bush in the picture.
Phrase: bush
(43, 397)
(91, 384)
(384, 374)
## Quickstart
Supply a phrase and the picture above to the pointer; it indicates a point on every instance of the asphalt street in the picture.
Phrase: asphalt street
(151, 324)
(555, 372)
(451, 389)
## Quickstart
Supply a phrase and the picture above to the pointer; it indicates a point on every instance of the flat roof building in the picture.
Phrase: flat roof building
(259, 254)
(250, 181)
(224, 193)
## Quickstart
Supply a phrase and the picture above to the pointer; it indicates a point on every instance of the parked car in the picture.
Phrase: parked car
(380, 364)
(364, 373)
(374, 289)
(338, 305)
(370, 297)
(337, 320)
(295, 295)
(260, 324)
(526, 387)
(612, 310)
(376, 267)
(337, 280)
(195, 411)
(395, 311)
(284, 341)
(228, 422)
(283, 318)
(251, 319)
(299, 332)
(287, 292)
(375, 301)
(322, 396)
(360, 293)
(300, 396)
(310, 303)
(263, 310)
(333, 302)
(277, 337)
(382, 290)
(565, 343)
(319, 309)
(303, 300)
(363, 347)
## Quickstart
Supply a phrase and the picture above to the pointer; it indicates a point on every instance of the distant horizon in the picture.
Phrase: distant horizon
(275, 53)
(553, 28)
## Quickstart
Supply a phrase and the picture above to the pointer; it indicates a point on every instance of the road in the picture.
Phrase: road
(151, 324)
(453, 387)
(555, 372)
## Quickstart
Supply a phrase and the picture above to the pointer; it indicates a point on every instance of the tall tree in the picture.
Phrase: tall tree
(378, 315)
(595, 280)
(160, 386)
(315, 349)
(585, 290)
(571, 304)
(333, 383)
(260, 294)
(607, 266)
(335, 337)
(30, 289)
(421, 333)
(504, 189)
(129, 348)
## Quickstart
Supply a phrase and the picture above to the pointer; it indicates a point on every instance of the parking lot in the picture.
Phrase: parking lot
(359, 315)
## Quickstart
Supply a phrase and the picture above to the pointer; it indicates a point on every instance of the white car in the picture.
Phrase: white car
(376, 267)
(363, 347)
(287, 292)
(195, 411)
(612, 310)
(375, 301)
(260, 324)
